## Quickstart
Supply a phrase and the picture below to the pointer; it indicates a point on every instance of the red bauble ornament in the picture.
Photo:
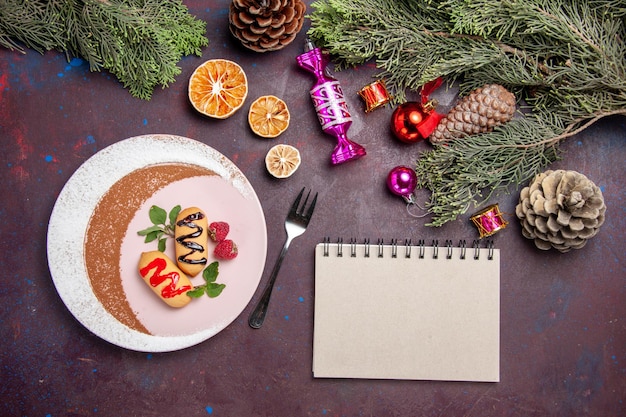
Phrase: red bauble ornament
(407, 120)
(414, 121)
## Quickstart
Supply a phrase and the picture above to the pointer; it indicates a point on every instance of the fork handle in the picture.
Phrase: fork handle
(258, 314)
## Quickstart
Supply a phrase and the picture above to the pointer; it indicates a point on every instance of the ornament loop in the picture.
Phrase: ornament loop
(413, 203)
(429, 87)
(430, 105)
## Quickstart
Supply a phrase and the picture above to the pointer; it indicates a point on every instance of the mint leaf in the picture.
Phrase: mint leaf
(160, 230)
(152, 236)
(210, 272)
(157, 215)
(173, 214)
(197, 292)
(213, 289)
(149, 230)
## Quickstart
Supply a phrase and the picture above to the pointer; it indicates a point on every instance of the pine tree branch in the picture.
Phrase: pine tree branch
(563, 58)
(574, 128)
(138, 41)
(573, 29)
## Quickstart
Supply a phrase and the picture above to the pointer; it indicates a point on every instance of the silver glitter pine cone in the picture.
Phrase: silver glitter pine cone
(561, 210)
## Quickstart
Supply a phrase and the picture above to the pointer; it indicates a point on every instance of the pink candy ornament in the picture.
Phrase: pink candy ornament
(330, 104)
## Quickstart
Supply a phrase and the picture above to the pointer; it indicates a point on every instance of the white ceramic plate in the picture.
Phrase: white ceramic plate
(227, 196)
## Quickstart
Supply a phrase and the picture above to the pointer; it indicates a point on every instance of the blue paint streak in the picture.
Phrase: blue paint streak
(586, 380)
(60, 74)
(76, 62)
(49, 158)
(209, 409)
(145, 122)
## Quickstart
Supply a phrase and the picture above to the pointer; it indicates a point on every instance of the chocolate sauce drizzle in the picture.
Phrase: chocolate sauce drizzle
(193, 246)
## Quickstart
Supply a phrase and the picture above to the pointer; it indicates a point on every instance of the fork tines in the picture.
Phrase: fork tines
(300, 211)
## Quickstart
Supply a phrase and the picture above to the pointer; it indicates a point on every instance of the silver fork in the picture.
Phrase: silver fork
(295, 224)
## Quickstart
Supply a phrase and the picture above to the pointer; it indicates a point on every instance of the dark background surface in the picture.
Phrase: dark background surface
(563, 316)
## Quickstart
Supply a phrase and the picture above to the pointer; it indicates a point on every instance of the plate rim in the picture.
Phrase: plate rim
(68, 243)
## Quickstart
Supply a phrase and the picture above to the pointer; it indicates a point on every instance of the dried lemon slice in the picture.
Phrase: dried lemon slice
(282, 160)
(218, 88)
(268, 116)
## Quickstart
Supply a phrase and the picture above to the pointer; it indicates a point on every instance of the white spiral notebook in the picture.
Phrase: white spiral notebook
(403, 311)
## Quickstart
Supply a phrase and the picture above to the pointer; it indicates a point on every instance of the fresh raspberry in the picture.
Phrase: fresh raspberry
(218, 231)
(226, 249)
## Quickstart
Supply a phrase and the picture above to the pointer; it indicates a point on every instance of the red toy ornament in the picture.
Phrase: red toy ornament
(407, 122)
(414, 121)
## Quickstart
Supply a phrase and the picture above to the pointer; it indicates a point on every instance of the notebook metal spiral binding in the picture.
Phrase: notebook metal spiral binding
(408, 247)
(381, 248)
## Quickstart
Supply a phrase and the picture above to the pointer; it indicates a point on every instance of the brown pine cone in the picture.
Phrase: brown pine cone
(266, 25)
(561, 210)
(478, 112)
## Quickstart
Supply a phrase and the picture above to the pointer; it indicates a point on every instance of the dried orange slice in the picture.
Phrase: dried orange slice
(218, 88)
(282, 160)
(268, 116)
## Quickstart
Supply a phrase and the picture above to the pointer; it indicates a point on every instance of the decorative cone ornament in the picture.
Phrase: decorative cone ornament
(266, 25)
(479, 112)
(561, 210)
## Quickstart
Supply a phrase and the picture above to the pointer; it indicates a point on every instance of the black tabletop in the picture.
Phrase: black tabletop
(562, 316)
